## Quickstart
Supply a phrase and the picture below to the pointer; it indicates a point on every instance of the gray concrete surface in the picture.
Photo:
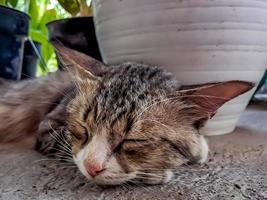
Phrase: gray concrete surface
(237, 169)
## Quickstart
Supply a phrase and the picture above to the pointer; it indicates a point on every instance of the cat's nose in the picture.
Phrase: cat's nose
(93, 169)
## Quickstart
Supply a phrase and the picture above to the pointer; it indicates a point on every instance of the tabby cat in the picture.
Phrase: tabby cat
(119, 123)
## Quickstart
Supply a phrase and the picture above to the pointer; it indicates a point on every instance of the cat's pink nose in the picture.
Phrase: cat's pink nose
(93, 169)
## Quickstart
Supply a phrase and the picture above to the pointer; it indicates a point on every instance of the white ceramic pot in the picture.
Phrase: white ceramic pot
(198, 40)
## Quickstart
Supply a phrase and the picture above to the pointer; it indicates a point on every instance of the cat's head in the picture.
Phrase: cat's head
(132, 122)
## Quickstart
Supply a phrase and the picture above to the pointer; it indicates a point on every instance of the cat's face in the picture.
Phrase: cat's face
(134, 123)
(145, 145)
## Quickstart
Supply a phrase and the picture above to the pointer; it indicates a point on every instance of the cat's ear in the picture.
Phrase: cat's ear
(204, 100)
(78, 62)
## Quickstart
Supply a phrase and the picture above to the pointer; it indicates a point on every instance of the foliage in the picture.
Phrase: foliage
(71, 6)
(40, 16)
(75, 7)
(12, 3)
(41, 13)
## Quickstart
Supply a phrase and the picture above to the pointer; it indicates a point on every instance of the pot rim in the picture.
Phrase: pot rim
(15, 10)
(66, 19)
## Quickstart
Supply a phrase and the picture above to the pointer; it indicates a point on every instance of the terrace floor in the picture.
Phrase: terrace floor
(237, 169)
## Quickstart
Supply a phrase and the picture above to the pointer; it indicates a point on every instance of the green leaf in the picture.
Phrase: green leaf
(40, 16)
(48, 16)
(3, 2)
(38, 36)
(47, 53)
(34, 11)
(49, 50)
(38, 30)
(46, 49)
(13, 3)
(71, 6)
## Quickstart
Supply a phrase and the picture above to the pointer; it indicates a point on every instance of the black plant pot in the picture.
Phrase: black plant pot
(77, 33)
(14, 26)
(30, 59)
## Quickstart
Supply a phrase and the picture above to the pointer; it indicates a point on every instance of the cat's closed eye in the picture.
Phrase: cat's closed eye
(134, 146)
(82, 135)
(77, 136)
(133, 140)
(128, 144)
(131, 152)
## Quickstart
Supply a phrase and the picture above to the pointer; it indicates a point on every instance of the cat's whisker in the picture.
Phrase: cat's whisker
(64, 154)
(150, 174)
(60, 142)
(143, 184)
(59, 156)
(67, 148)
(60, 135)
(63, 146)
(56, 156)
(67, 168)
(66, 164)
(59, 163)
(160, 170)
(62, 151)
(45, 160)
(61, 159)
(150, 177)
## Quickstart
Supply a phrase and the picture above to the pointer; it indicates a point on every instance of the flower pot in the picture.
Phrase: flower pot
(77, 33)
(30, 59)
(200, 41)
(14, 27)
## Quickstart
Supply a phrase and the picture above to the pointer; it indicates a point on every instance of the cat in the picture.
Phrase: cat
(121, 123)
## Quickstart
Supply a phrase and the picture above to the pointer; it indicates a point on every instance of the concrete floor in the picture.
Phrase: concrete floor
(237, 169)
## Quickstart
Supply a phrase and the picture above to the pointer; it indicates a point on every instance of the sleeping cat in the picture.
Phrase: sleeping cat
(121, 123)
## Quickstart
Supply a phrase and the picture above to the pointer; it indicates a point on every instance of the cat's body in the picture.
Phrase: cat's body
(23, 105)
(119, 123)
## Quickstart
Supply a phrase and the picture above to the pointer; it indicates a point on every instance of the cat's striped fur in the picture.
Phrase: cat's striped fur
(127, 122)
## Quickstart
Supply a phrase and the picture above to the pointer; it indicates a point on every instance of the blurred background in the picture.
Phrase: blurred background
(28, 25)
